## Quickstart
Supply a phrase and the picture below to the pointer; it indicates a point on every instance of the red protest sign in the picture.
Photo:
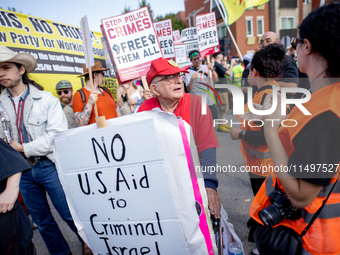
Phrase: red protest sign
(133, 42)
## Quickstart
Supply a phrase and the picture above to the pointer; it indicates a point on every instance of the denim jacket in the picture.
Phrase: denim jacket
(43, 119)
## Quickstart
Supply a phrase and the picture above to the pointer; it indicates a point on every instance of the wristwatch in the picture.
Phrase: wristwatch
(241, 134)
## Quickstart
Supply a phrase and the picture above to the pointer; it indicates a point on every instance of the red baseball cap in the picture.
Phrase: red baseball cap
(163, 67)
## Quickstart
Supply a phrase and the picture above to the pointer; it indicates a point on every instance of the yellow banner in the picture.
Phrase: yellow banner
(57, 47)
(235, 8)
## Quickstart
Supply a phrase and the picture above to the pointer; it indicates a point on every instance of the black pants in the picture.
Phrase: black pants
(256, 183)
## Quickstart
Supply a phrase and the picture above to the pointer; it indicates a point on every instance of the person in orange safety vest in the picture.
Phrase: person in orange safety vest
(308, 153)
(264, 68)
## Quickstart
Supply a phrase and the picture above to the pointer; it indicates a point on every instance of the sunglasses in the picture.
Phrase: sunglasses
(65, 91)
(295, 41)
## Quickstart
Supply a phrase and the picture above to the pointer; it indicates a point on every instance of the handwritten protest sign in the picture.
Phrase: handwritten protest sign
(133, 42)
(127, 200)
(176, 35)
(165, 38)
(207, 34)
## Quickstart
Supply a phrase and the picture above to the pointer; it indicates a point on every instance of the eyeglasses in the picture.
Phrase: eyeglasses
(173, 77)
(295, 41)
(65, 91)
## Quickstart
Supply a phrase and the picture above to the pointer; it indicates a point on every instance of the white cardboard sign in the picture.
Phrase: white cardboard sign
(120, 185)
(165, 37)
(133, 42)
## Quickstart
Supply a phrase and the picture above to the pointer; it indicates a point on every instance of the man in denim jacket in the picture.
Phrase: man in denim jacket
(35, 117)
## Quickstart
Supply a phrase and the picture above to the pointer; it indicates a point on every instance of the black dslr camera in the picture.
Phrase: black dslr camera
(280, 208)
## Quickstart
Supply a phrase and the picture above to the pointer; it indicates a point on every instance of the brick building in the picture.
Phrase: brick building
(280, 16)
(246, 30)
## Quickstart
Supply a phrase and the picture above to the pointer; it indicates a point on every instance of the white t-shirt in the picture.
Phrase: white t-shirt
(199, 83)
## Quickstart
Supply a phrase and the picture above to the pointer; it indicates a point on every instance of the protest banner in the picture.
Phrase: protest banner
(176, 35)
(56, 46)
(126, 199)
(207, 35)
(133, 43)
(165, 38)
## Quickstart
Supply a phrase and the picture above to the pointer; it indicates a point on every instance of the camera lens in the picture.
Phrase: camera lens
(270, 216)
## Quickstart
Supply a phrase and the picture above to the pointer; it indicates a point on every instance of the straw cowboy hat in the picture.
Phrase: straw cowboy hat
(97, 67)
(27, 60)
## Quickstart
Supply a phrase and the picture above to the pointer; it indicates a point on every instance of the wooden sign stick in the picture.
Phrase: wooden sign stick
(145, 83)
(101, 121)
(210, 73)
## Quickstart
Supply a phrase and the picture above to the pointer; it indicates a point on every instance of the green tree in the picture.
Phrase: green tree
(126, 9)
(143, 3)
(176, 23)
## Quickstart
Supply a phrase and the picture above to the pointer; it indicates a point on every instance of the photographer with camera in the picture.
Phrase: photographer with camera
(298, 208)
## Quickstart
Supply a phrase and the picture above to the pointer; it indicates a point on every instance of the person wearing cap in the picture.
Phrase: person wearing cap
(65, 92)
(165, 81)
(36, 117)
(85, 98)
(220, 69)
(198, 78)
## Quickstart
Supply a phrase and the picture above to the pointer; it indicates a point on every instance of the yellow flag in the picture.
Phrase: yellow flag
(235, 8)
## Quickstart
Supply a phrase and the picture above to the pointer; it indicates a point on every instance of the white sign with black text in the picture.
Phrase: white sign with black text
(119, 182)
(165, 37)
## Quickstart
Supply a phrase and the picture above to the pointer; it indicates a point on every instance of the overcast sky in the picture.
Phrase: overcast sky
(71, 11)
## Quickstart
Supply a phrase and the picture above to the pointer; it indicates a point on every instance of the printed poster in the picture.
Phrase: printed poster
(133, 43)
(165, 37)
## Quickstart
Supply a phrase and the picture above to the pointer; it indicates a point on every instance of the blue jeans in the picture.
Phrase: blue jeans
(34, 184)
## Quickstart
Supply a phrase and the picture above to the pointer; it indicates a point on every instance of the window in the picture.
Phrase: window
(288, 4)
(260, 26)
(287, 23)
(306, 1)
(249, 27)
(222, 31)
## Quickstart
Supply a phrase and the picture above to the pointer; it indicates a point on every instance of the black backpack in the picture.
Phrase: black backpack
(83, 96)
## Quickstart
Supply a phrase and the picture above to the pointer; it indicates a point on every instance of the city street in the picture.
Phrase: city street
(234, 190)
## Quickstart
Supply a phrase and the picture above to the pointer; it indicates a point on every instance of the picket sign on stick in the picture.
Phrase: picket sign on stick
(210, 73)
(101, 121)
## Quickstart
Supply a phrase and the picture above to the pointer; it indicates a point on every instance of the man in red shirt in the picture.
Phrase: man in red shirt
(165, 81)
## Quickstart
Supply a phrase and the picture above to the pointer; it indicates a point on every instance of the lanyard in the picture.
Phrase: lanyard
(19, 119)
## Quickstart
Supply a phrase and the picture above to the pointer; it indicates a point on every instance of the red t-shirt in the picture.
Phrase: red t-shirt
(105, 104)
(189, 108)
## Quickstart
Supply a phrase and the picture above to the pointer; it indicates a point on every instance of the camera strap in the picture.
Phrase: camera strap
(318, 211)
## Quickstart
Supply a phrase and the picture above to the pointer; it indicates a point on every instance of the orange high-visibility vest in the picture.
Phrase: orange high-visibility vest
(256, 157)
(323, 237)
